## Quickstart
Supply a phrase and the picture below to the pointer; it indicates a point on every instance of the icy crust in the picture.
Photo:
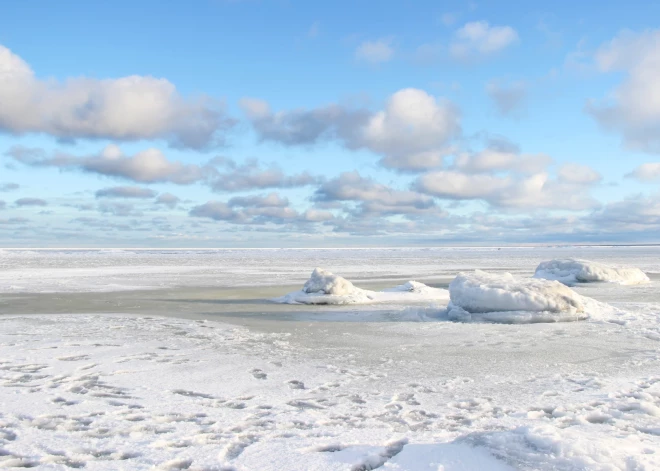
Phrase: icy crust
(481, 296)
(571, 271)
(324, 287)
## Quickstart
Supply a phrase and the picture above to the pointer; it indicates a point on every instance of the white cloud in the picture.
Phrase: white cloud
(633, 109)
(373, 197)
(478, 39)
(251, 175)
(646, 172)
(271, 200)
(127, 108)
(260, 210)
(493, 159)
(168, 199)
(148, 166)
(375, 52)
(30, 202)
(413, 126)
(579, 174)
(412, 122)
(537, 191)
(635, 213)
(125, 192)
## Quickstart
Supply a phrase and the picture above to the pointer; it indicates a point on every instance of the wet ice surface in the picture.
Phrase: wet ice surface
(101, 380)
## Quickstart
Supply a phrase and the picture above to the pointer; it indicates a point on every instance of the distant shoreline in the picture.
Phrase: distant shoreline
(420, 247)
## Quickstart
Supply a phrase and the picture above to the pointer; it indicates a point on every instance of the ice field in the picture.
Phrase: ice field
(218, 360)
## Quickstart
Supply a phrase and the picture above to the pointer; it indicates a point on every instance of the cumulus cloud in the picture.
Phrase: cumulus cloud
(538, 191)
(508, 98)
(633, 109)
(127, 108)
(148, 166)
(579, 174)
(478, 39)
(125, 192)
(634, 214)
(30, 202)
(412, 122)
(216, 210)
(252, 175)
(301, 127)
(151, 166)
(259, 210)
(168, 199)
(413, 128)
(372, 197)
(375, 52)
(271, 200)
(494, 159)
(647, 172)
(5, 187)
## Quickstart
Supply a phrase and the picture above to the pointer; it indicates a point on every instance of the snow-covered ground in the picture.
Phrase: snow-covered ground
(306, 390)
(125, 269)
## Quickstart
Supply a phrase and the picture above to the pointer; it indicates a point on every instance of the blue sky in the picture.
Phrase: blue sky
(275, 123)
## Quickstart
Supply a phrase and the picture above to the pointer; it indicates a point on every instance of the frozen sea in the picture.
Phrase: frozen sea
(177, 359)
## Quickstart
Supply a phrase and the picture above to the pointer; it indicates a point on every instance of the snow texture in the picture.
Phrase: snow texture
(505, 298)
(101, 391)
(107, 392)
(572, 271)
(324, 287)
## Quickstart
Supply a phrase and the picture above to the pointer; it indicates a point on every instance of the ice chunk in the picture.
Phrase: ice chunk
(324, 287)
(504, 298)
(324, 282)
(571, 271)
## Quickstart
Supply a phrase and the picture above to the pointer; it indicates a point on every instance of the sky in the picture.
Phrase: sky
(259, 123)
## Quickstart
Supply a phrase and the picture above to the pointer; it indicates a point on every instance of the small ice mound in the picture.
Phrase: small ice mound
(324, 282)
(324, 287)
(572, 271)
(482, 296)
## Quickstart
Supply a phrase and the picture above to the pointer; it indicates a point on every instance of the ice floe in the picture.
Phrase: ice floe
(482, 296)
(324, 287)
(571, 271)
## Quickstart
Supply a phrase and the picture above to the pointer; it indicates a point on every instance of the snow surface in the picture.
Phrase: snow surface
(572, 271)
(68, 271)
(108, 392)
(295, 387)
(324, 287)
(483, 296)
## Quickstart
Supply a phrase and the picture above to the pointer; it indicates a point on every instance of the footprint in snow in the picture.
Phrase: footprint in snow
(258, 374)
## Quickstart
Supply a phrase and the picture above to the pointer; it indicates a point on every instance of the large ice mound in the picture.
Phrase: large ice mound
(481, 296)
(572, 271)
(324, 287)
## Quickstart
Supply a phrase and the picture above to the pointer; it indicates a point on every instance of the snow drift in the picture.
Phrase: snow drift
(571, 271)
(324, 287)
(482, 296)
